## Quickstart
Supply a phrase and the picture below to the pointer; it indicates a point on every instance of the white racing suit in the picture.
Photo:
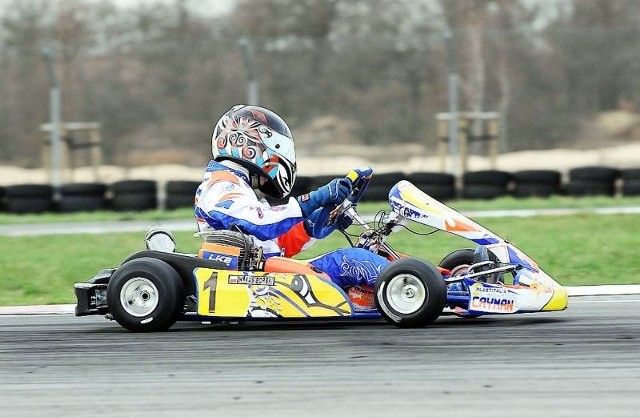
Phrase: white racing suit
(225, 199)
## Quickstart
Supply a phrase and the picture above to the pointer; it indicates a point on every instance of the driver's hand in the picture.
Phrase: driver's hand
(343, 222)
(333, 193)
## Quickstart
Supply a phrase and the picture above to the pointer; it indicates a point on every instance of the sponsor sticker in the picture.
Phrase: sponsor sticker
(252, 280)
(492, 299)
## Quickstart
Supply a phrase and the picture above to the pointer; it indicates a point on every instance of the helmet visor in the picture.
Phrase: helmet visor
(280, 145)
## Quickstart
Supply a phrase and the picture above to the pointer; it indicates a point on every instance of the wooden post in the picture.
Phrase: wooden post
(463, 138)
(443, 121)
(68, 150)
(492, 134)
(96, 151)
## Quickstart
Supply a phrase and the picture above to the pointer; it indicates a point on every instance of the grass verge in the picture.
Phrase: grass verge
(579, 249)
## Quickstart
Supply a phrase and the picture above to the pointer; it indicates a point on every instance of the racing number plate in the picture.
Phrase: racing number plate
(236, 294)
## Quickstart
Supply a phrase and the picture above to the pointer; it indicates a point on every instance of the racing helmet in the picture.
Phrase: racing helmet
(259, 140)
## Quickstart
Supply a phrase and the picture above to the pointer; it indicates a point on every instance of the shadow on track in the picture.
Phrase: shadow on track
(445, 322)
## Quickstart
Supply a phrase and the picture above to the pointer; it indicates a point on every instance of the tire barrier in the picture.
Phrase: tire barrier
(180, 194)
(440, 186)
(592, 181)
(3, 193)
(319, 181)
(378, 190)
(630, 181)
(134, 195)
(536, 183)
(487, 184)
(82, 197)
(301, 186)
(29, 198)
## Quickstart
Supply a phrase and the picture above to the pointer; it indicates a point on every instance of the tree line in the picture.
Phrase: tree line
(157, 75)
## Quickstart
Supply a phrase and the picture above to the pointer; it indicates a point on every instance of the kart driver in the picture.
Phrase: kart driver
(254, 154)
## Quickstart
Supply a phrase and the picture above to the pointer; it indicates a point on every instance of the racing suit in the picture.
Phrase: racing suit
(225, 198)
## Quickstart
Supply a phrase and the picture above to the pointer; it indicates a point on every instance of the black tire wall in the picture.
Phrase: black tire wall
(82, 197)
(592, 181)
(29, 198)
(134, 195)
(486, 184)
(536, 183)
(180, 194)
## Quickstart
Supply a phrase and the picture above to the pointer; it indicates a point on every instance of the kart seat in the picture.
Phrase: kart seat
(289, 265)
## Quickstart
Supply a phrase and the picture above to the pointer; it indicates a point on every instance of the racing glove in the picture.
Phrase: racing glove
(333, 193)
(343, 222)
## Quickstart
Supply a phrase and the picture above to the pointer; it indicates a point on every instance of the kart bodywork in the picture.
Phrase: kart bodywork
(152, 289)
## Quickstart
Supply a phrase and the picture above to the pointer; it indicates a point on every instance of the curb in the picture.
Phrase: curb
(573, 291)
(604, 290)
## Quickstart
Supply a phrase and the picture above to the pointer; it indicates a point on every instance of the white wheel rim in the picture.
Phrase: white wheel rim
(406, 293)
(139, 297)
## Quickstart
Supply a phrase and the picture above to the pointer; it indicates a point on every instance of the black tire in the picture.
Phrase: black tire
(301, 186)
(590, 188)
(630, 174)
(30, 191)
(376, 194)
(82, 189)
(487, 177)
(422, 278)
(590, 173)
(631, 188)
(320, 181)
(547, 177)
(3, 193)
(180, 194)
(182, 187)
(82, 197)
(74, 203)
(535, 190)
(134, 202)
(439, 192)
(140, 276)
(23, 205)
(387, 179)
(440, 179)
(134, 186)
(176, 201)
(481, 191)
(29, 198)
(457, 258)
(465, 257)
(134, 195)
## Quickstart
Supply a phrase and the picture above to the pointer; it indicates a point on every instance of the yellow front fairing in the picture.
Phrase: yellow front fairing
(226, 293)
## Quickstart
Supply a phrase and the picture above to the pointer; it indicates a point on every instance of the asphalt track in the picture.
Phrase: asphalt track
(583, 362)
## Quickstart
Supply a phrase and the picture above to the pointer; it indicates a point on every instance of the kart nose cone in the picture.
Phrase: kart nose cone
(558, 302)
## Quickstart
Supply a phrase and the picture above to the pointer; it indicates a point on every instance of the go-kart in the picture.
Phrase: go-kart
(230, 281)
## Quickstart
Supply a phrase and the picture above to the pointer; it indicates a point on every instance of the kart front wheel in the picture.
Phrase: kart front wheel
(410, 293)
(145, 295)
(458, 262)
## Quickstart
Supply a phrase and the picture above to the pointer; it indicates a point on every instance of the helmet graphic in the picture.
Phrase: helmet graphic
(261, 141)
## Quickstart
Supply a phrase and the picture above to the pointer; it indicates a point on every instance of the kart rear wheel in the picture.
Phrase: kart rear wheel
(410, 293)
(145, 295)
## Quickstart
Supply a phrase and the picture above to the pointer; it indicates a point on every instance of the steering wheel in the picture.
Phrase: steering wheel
(324, 218)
